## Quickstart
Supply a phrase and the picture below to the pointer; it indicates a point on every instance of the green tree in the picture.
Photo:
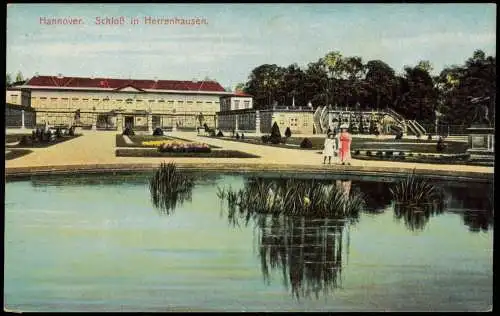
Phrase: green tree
(265, 84)
(275, 134)
(19, 77)
(240, 87)
(8, 80)
(382, 83)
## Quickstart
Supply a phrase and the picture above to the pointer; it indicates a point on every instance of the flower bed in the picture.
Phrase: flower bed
(174, 147)
(157, 154)
(157, 143)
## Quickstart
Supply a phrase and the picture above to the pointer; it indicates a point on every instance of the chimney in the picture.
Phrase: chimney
(60, 76)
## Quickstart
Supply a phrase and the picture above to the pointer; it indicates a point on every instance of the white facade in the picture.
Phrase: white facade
(236, 103)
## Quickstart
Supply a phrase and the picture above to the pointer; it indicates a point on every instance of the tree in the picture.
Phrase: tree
(288, 132)
(8, 80)
(19, 77)
(381, 81)
(265, 84)
(240, 87)
(275, 134)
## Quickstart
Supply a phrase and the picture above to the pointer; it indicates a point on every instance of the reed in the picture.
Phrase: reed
(169, 188)
(416, 199)
(292, 197)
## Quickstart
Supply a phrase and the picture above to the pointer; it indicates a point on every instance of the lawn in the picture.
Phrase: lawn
(156, 153)
(17, 137)
(372, 144)
(16, 153)
(138, 139)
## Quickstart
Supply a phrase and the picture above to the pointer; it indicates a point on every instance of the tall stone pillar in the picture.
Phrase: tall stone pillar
(22, 120)
(236, 124)
(150, 123)
(257, 122)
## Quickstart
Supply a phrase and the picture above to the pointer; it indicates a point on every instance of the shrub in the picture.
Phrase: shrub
(378, 153)
(418, 135)
(410, 155)
(389, 153)
(356, 152)
(429, 137)
(288, 132)
(26, 140)
(306, 143)
(265, 139)
(399, 135)
(237, 136)
(211, 133)
(368, 153)
(275, 137)
(219, 134)
(59, 133)
(71, 131)
(242, 136)
(128, 131)
(158, 132)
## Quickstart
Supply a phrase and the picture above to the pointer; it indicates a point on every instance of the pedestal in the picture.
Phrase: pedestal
(257, 123)
(481, 142)
(94, 126)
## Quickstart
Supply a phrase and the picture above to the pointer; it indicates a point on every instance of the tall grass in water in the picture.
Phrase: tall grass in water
(169, 187)
(293, 197)
(416, 199)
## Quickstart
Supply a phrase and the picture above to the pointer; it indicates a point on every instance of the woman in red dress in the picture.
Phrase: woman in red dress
(345, 145)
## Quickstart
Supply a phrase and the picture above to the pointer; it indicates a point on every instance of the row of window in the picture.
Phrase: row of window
(127, 100)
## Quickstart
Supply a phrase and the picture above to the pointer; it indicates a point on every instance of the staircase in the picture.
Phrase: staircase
(413, 126)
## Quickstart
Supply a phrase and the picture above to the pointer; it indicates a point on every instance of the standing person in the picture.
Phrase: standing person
(345, 145)
(329, 148)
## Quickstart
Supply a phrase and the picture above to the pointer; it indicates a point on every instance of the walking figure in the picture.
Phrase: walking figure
(330, 147)
(345, 145)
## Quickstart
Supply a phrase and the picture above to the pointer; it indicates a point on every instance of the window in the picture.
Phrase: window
(138, 100)
(180, 102)
(161, 100)
(74, 99)
(236, 104)
(119, 100)
(247, 104)
(152, 100)
(190, 102)
(199, 102)
(53, 98)
(65, 99)
(95, 99)
(170, 102)
(13, 98)
(84, 99)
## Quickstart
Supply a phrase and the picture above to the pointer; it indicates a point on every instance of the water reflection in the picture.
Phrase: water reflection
(170, 188)
(478, 221)
(376, 195)
(307, 251)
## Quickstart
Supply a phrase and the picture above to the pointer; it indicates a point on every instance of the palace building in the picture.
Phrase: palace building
(106, 103)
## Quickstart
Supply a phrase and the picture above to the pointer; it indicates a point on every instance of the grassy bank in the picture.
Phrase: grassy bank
(412, 145)
(155, 154)
(16, 153)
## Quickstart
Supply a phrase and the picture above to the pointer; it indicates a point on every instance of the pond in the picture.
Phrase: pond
(97, 243)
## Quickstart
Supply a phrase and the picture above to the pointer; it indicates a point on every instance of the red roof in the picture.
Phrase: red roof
(78, 82)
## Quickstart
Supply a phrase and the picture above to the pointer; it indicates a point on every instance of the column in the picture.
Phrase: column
(236, 124)
(257, 122)
(94, 123)
(150, 123)
(22, 119)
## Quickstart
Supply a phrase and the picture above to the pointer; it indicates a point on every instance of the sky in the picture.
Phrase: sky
(239, 37)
